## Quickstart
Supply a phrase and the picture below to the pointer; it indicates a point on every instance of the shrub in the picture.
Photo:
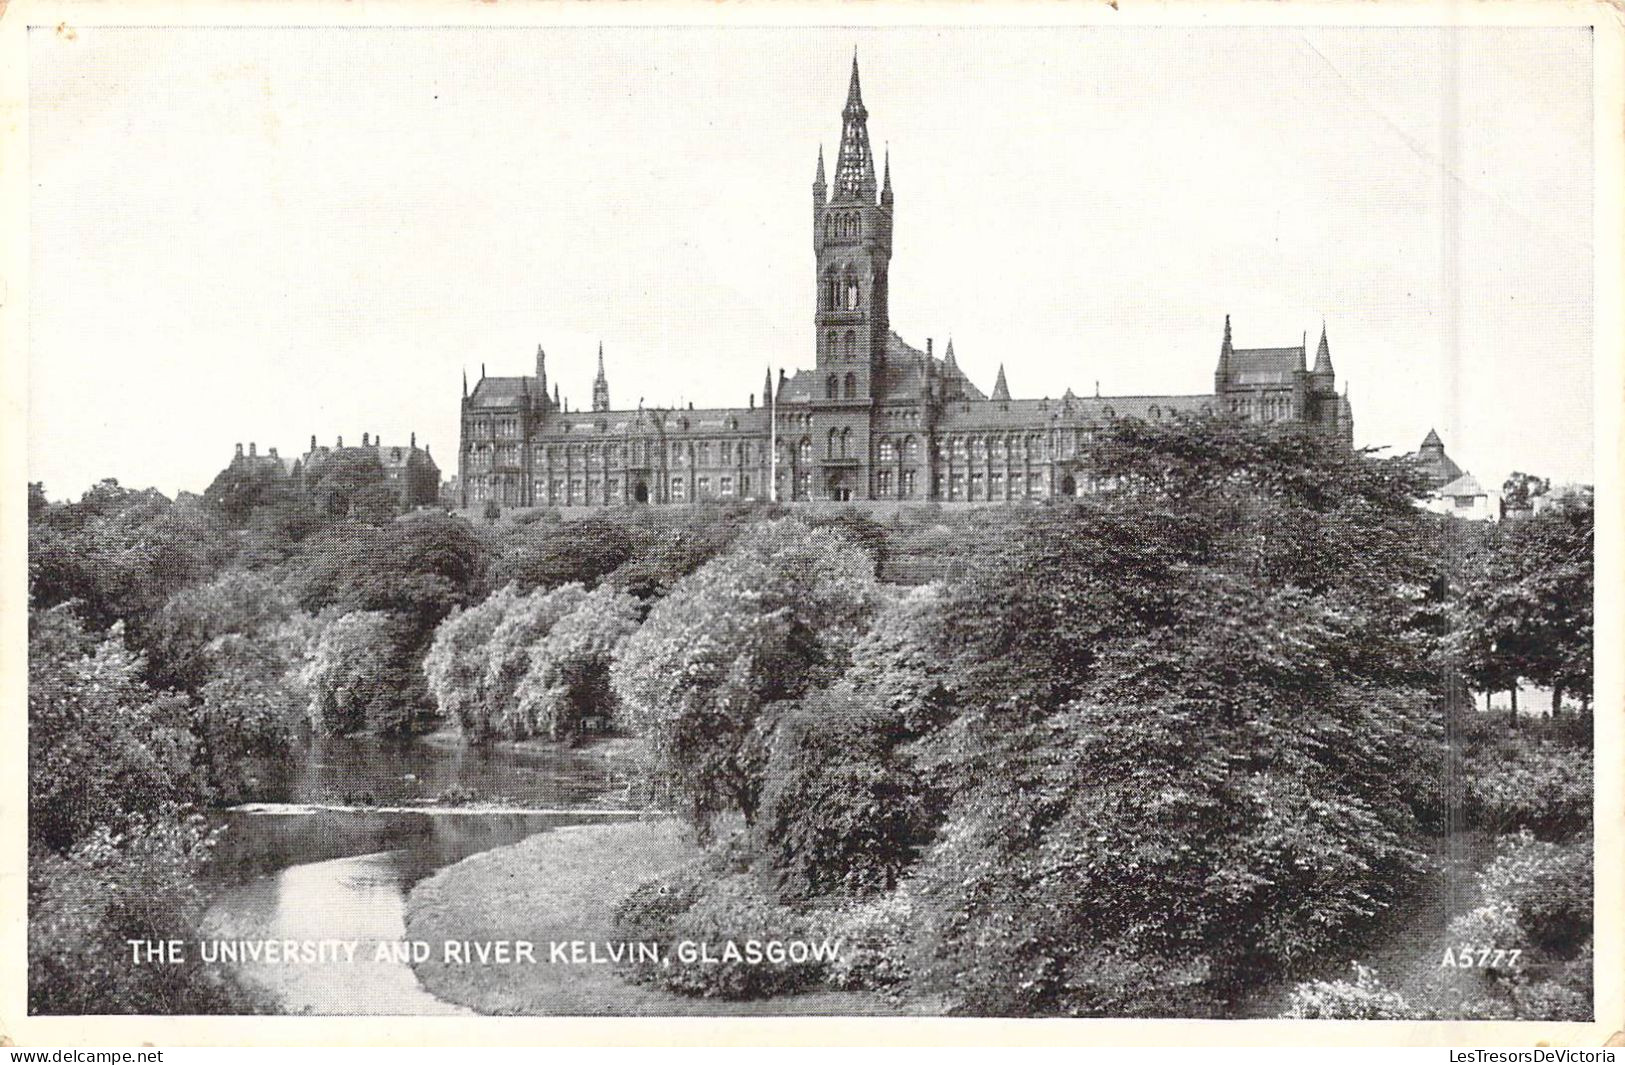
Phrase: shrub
(1534, 893)
(1365, 999)
(841, 812)
(732, 913)
(1517, 779)
(874, 938)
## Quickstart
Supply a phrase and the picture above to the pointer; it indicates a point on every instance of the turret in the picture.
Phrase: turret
(819, 188)
(541, 371)
(1324, 377)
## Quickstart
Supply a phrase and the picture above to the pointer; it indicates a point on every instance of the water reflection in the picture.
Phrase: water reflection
(304, 873)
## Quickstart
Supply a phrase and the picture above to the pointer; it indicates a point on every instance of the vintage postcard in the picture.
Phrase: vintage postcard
(547, 520)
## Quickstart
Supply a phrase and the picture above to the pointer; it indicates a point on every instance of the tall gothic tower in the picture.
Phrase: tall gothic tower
(852, 244)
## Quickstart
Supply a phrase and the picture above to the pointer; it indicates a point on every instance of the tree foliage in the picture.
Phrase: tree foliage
(774, 617)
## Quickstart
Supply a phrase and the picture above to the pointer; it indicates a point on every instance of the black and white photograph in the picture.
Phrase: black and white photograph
(541, 515)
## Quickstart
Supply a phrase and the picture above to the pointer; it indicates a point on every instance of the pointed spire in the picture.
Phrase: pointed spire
(948, 356)
(1323, 354)
(855, 162)
(1001, 390)
(465, 395)
(1432, 441)
(1221, 373)
(818, 178)
(885, 187)
(767, 387)
(600, 385)
(556, 403)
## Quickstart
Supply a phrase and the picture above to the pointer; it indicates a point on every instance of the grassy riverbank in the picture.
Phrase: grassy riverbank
(565, 885)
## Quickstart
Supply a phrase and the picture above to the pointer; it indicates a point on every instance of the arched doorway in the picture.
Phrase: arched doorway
(640, 494)
(1069, 487)
(838, 490)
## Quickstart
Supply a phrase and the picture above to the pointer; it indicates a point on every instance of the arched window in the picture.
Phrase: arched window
(888, 451)
(834, 443)
(851, 386)
(829, 227)
(851, 293)
(911, 449)
(830, 386)
(804, 449)
(846, 443)
(850, 347)
(829, 344)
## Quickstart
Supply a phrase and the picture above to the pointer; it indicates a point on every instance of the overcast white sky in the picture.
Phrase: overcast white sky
(247, 234)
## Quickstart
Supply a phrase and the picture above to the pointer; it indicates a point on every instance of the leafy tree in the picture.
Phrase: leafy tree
(140, 881)
(567, 682)
(242, 488)
(526, 623)
(548, 554)
(455, 664)
(122, 553)
(236, 602)
(101, 744)
(338, 482)
(1197, 736)
(1526, 609)
(358, 678)
(773, 618)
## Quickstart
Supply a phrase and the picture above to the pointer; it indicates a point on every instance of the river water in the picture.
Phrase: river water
(333, 840)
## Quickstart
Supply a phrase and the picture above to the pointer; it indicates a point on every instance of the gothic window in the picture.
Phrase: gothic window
(1156, 412)
(726, 486)
(727, 453)
(883, 483)
(908, 484)
(830, 387)
(705, 454)
(804, 450)
(829, 227)
(911, 449)
(888, 451)
(744, 452)
(850, 347)
(677, 489)
(846, 442)
(851, 293)
(803, 484)
(831, 291)
(834, 443)
(702, 487)
(851, 386)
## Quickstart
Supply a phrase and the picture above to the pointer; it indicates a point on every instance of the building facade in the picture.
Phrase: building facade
(405, 471)
(874, 418)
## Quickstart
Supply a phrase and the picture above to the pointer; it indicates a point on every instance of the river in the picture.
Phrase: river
(332, 841)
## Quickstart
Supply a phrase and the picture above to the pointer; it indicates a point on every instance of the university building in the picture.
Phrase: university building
(874, 419)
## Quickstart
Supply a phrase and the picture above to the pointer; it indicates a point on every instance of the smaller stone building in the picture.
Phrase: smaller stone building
(405, 472)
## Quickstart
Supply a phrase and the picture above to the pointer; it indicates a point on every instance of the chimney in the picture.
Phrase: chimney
(273, 452)
(340, 442)
(928, 347)
(414, 440)
(251, 449)
(363, 439)
(312, 442)
(239, 451)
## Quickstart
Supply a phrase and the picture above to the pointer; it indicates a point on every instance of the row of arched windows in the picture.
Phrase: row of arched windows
(841, 293)
(848, 224)
(848, 347)
(834, 388)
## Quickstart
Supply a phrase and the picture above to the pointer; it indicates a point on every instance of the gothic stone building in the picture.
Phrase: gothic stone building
(875, 419)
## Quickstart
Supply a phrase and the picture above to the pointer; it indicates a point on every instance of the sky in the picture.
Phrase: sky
(246, 234)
